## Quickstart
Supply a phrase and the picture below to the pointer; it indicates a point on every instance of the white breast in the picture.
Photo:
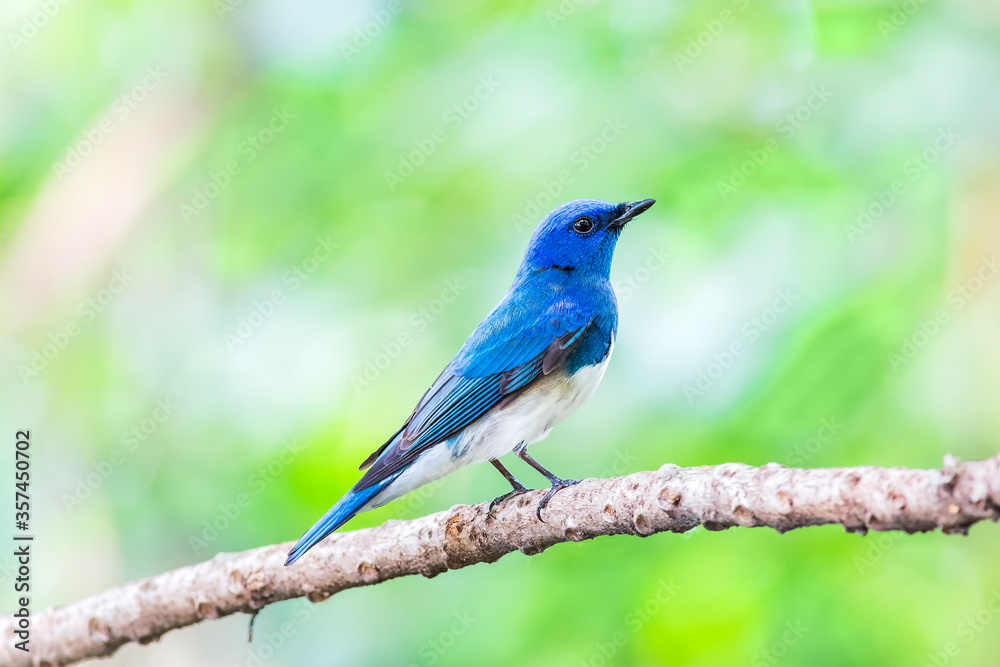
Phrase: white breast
(531, 416)
(527, 419)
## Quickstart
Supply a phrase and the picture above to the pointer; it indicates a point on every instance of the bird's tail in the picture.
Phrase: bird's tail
(335, 517)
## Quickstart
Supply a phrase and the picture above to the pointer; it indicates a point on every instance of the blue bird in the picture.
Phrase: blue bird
(530, 364)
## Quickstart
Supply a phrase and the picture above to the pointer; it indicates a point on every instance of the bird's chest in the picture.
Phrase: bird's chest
(562, 393)
(530, 417)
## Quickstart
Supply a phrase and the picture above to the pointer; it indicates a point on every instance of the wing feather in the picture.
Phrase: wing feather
(498, 361)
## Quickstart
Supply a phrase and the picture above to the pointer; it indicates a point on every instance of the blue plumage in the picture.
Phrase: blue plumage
(335, 517)
(534, 359)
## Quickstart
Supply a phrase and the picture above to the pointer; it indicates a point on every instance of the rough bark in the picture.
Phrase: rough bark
(670, 499)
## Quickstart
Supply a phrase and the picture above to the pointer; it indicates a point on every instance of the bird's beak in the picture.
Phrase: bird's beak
(631, 210)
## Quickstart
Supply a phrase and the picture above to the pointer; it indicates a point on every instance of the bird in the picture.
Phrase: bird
(533, 361)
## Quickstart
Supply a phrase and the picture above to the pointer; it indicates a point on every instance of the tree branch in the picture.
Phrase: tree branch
(671, 499)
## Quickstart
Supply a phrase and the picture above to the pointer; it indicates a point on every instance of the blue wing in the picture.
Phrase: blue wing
(509, 350)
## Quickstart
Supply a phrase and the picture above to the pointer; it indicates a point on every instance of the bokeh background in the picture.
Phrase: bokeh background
(239, 239)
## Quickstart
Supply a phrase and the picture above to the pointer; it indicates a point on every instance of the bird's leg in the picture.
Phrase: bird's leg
(556, 482)
(517, 490)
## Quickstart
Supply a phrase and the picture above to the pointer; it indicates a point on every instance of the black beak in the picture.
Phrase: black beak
(630, 210)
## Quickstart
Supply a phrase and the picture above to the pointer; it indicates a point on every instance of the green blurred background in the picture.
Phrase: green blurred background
(238, 241)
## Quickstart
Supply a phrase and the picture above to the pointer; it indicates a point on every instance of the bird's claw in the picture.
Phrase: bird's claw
(556, 486)
(516, 491)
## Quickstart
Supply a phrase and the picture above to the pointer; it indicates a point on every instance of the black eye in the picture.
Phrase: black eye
(583, 225)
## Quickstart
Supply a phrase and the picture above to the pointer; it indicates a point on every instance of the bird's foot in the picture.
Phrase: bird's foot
(516, 491)
(557, 484)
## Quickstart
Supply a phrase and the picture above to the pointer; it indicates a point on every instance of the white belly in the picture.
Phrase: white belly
(527, 419)
(531, 416)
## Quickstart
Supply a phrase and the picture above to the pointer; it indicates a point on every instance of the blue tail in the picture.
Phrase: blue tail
(335, 517)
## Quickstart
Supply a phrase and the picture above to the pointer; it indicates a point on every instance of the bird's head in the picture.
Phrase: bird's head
(580, 236)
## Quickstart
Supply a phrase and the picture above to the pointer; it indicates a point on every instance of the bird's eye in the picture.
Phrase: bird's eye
(583, 225)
